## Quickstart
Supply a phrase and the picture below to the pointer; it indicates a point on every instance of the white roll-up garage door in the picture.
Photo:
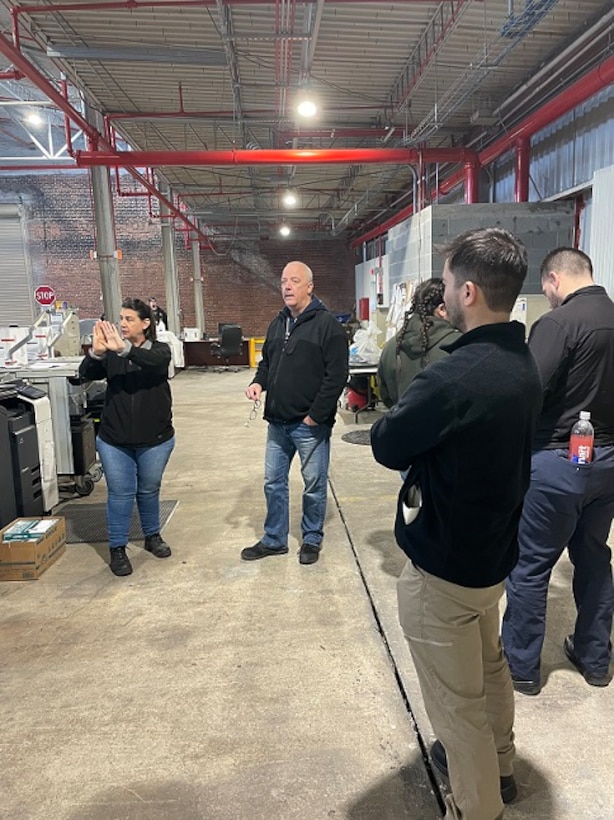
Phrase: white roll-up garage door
(16, 293)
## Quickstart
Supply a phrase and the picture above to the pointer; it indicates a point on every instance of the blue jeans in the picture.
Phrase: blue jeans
(133, 473)
(567, 505)
(313, 447)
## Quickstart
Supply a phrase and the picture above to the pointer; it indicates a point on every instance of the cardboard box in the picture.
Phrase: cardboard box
(27, 560)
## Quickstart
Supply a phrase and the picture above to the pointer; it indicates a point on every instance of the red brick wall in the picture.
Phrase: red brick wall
(242, 286)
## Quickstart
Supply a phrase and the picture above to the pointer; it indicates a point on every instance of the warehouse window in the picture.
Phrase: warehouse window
(16, 302)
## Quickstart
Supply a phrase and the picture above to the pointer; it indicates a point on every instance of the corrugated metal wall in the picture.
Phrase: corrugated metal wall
(566, 153)
(16, 303)
(601, 228)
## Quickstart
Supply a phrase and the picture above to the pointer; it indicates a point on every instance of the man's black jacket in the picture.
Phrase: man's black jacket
(465, 426)
(304, 366)
(574, 349)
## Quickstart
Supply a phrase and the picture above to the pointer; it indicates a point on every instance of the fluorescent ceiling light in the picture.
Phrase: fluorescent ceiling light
(284, 230)
(201, 56)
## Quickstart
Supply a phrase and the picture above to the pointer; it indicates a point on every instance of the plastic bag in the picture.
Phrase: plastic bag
(364, 349)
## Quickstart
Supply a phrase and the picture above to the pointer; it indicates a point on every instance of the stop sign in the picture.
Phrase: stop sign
(44, 295)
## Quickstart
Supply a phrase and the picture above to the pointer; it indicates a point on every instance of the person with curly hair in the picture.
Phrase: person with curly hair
(425, 329)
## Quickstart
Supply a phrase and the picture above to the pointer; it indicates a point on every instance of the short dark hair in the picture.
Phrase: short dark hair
(493, 259)
(144, 312)
(570, 260)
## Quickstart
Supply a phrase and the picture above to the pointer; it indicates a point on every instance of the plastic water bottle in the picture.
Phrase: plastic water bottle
(582, 438)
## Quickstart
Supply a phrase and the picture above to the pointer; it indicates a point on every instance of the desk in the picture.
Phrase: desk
(369, 370)
(198, 354)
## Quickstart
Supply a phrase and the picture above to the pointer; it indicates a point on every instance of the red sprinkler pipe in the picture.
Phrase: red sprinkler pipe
(275, 156)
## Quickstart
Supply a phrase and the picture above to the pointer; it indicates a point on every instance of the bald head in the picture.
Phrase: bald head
(296, 286)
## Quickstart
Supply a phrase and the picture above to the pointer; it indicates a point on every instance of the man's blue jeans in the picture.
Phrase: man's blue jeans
(567, 505)
(313, 447)
(133, 473)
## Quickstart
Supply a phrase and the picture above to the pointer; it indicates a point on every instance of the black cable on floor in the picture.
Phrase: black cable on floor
(425, 755)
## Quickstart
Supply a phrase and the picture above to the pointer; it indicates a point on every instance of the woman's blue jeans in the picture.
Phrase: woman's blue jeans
(133, 473)
(313, 447)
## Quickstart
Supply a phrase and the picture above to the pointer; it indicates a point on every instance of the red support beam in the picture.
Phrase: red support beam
(522, 162)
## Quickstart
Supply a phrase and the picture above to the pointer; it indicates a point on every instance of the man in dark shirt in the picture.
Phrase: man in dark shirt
(465, 427)
(304, 368)
(568, 505)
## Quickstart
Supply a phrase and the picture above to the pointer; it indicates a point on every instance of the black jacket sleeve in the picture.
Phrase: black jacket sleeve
(92, 369)
(423, 417)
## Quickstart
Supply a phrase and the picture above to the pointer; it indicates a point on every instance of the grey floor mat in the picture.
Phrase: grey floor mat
(357, 437)
(87, 523)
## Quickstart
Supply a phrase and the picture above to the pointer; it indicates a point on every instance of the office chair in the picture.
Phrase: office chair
(231, 343)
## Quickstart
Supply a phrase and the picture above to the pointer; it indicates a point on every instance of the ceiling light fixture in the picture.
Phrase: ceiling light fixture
(307, 108)
(34, 119)
(289, 199)
(284, 230)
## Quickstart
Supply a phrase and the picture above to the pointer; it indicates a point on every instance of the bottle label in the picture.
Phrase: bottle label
(581, 449)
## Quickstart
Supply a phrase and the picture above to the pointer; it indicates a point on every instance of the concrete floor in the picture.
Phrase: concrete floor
(204, 687)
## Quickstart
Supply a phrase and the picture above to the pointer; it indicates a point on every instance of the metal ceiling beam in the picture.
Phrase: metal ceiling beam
(274, 156)
(94, 136)
(201, 56)
(134, 5)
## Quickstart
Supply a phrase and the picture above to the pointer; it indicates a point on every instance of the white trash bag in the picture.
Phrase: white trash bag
(364, 349)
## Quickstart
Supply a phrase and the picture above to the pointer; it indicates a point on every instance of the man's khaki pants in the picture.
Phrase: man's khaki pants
(453, 635)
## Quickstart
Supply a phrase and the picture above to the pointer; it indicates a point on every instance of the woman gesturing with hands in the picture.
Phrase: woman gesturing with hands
(136, 435)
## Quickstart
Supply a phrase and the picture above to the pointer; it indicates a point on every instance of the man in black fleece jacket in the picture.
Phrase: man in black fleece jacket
(464, 427)
(304, 368)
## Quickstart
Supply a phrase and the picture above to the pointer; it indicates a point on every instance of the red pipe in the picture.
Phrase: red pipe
(472, 181)
(11, 74)
(522, 161)
(275, 156)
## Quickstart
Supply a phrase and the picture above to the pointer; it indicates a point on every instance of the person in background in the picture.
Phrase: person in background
(136, 435)
(303, 370)
(159, 314)
(567, 505)
(465, 426)
(418, 343)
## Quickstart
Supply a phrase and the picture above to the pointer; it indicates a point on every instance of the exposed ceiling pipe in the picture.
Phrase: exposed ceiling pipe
(274, 156)
(333, 133)
(577, 93)
(133, 5)
(95, 137)
(11, 74)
